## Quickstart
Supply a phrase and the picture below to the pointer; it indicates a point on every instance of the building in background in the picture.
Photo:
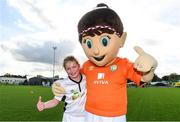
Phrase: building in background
(12, 79)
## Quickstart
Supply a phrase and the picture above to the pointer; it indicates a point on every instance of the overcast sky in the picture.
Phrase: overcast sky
(29, 29)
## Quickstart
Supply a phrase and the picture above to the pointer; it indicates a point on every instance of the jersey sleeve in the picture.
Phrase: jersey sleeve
(59, 98)
(133, 74)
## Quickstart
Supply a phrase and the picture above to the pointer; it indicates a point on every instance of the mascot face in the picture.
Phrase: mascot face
(101, 35)
(102, 49)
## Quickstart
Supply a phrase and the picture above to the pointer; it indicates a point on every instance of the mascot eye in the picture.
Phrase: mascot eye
(89, 43)
(105, 40)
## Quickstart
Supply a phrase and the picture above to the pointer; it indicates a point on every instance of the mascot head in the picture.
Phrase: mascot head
(101, 35)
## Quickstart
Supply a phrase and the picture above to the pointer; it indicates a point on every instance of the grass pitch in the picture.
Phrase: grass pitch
(18, 103)
(154, 104)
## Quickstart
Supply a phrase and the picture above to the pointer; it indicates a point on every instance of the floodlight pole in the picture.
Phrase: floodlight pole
(54, 49)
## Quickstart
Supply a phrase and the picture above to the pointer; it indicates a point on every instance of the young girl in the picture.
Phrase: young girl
(75, 93)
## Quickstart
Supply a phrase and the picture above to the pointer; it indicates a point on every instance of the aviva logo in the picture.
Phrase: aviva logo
(100, 76)
(100, 81)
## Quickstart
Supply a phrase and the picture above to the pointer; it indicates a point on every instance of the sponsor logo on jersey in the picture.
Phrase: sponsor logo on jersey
(100, 79)
(100, 76)
(101, 82)
(91, 67)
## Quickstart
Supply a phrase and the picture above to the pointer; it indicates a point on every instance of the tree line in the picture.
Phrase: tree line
(173, 77)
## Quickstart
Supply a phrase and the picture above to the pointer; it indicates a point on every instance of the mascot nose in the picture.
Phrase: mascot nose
(95, 50)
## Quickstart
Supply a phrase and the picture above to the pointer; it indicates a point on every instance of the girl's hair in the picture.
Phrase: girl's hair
(100, 20)
(69, 58)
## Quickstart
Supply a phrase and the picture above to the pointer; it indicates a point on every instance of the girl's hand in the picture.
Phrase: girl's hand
(40, 105)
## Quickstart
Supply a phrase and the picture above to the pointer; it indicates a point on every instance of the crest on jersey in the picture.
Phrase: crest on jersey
(75, 94)
(113, 68)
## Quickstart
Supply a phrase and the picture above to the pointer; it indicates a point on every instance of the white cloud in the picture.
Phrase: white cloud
(153, 25)
(24, 26)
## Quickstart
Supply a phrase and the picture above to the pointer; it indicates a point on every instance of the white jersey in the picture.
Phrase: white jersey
(75, 96)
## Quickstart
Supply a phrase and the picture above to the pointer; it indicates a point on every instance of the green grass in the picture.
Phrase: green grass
(154, 104)
(18, 103)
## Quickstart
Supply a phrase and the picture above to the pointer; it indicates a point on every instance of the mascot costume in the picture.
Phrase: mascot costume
(101, 36)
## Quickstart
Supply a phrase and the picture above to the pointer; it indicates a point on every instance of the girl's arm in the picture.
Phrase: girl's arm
(46, 105)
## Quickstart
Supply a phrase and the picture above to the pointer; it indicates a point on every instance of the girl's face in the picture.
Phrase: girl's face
(72, 69)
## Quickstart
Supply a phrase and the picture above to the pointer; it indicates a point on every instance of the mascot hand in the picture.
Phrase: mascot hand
(57, 89)
(145, 62)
